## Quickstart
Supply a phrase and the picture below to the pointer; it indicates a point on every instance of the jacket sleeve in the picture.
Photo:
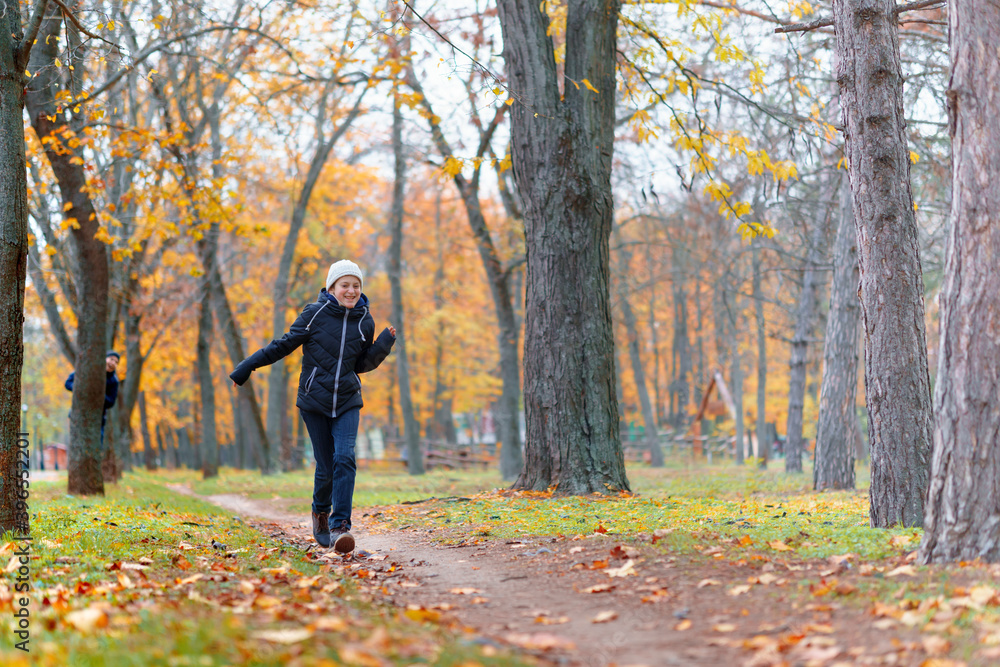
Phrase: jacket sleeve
(276, 349)
(110, 392)
(69, 381)
(375, 353)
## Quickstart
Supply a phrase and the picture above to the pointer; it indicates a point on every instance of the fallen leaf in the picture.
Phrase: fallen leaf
(266, 601)
(540, 641)
(356, 656)
(723, 627)
(902, 570)
(180, 561)
(575, 550)
(605, 616)
(683, 625)
(331, 623)
(599, 588)
(465, 591)
(738, 590)
(549, 620)
(778, 545)
(184, 546)
(934, 645)
(709, 582)
(190, 580)
(285, 636)
(89, 619)
(623, 571)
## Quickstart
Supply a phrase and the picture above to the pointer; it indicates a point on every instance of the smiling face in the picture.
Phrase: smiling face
(347, 290)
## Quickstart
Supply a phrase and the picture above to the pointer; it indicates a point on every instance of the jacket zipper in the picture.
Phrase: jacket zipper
(309, 382)
(340, 363)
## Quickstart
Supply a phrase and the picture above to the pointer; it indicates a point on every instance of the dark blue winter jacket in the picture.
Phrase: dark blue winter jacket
(337, 344)
(110, 391)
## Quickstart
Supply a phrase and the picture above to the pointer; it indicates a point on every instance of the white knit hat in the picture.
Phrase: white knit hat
(344, 267)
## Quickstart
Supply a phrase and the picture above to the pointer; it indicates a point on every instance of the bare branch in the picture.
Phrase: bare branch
(68, 13)
(24, 48)
(823, 23)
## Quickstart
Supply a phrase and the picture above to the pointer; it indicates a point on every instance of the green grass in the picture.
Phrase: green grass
(84, 555)
(743, 508)
(372, 487)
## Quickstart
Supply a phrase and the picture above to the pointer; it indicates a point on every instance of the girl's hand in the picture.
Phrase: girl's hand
(392, 330)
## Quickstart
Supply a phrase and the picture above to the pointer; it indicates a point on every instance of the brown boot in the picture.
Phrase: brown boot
(321, 528)
(343, 541)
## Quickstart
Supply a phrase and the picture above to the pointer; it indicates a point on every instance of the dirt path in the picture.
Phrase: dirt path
(559, 599)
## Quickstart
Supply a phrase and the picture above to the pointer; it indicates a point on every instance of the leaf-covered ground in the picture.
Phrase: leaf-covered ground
(718, 563)
(149, 577)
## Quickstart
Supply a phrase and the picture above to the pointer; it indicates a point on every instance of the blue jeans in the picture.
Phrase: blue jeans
(333, 440)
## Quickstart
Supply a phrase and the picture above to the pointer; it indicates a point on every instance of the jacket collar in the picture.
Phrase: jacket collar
(335, 307)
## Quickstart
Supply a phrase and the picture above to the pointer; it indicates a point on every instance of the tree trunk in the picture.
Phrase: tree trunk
(736, 378)
(147, 446)
(209, 438)
(110, 470)
(562, 144)
(763, 452)
(897, 383)
(13, 265)
(90, 271)
(411, 430)
(682, 351)
(805, 323)
(962, 506)
(838, 419)
(638, 371)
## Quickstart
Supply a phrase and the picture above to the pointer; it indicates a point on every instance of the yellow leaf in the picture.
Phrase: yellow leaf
(914, 158)
(452, 166)
(590, 87)
(58, 63)
(778, 545)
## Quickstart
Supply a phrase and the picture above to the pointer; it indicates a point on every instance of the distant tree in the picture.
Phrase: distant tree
(837, 431)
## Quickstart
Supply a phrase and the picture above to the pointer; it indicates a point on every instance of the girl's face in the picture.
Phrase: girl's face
(347, 290)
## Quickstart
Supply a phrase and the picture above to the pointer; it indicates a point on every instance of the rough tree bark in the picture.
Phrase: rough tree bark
(411, 430)
(91, 266)
(963, 510)
(682, 343)
(838, 420)
(15, 47)
(897, 383)
(805, 323)
(562, 145)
